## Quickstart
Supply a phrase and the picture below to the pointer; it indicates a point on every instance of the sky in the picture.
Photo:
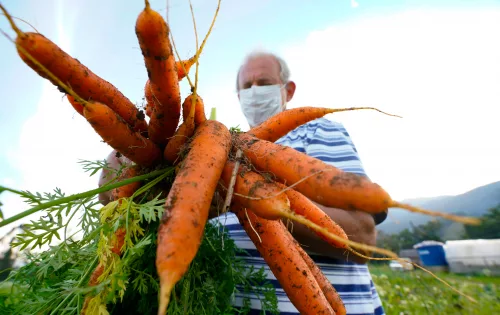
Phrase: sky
(435, 63)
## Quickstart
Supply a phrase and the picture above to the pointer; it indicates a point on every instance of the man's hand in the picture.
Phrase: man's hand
(359, 227)
(115, 161)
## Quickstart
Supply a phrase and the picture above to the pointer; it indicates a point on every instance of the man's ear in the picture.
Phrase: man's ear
(290, 90)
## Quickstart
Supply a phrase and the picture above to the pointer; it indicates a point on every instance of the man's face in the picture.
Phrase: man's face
(260, 71)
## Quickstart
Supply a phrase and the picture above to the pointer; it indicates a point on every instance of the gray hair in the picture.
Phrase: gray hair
(284, 70)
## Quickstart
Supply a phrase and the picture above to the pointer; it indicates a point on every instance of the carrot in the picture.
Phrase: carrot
(275, 245)
(150, 103)
(116, 133)
(332, 187)
(153, 34)
(183, 133)
(251, 184)
(127, 190)
(301, 205)
(76, 105)
(187, 205)
(267, 200)
(117, 244)
(282, 123)
(328, 290)
(81, 79)
(324, 183)
(199, 115)
(183, 67)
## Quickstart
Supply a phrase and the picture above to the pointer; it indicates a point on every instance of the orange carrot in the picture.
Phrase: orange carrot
(332, 187)
(153, 34)
(275, 245)
(328, 290)
(127, 190)
(117, 244)
(183, 67)
(182, 134)
(116, 133)
(76, 105)
(282, 123)
(251, 184)
(268, 200)
(301, 205)
(150, 102)
(199, 115)
(324, 183)
(81, 79)
(187, 205)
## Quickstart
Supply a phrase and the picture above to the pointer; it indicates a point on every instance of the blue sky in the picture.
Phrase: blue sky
(425, 60)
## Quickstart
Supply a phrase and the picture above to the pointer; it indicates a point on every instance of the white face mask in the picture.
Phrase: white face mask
(259, 103)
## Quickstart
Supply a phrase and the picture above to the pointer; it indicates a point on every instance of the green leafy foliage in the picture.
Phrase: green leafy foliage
(55, 281)
(489, 227)
(416, 292)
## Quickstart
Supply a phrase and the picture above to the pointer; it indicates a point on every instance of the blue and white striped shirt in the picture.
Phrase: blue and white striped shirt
(328, 141)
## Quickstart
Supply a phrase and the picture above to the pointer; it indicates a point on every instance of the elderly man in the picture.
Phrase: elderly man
(264, 89)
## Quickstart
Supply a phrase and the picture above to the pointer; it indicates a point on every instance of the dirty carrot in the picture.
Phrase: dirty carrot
(182, 134)
(324, 183)
(199, 114)
(42, 55)
(272, 201)
(282, 123)
(329, 186)
(270, 237)
(150, 102)
(267, 200)
(153, 35)
(127, 190)
(187, 205)
(326, 286)
(183, 67)
(117, 134)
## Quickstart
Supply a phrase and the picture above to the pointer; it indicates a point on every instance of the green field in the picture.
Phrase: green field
(416, 292)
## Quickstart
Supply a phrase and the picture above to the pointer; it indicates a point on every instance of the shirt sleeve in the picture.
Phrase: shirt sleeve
(330, 142)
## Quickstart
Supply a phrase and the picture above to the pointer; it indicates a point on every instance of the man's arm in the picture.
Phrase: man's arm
(359, 227)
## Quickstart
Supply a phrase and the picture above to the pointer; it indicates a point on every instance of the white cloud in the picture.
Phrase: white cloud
(438, 69)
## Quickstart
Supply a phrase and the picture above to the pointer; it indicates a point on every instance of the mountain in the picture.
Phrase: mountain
(473, 203)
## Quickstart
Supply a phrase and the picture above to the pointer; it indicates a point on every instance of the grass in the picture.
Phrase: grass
(417, 292)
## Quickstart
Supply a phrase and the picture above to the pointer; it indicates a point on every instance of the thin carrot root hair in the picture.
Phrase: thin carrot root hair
(300, 219)
(418, 266)
(24, 21)
(335, 110)
(452, 217)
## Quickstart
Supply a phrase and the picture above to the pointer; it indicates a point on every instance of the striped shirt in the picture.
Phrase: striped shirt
(328, 141)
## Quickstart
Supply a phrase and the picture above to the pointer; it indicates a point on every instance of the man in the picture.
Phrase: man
(264, 89)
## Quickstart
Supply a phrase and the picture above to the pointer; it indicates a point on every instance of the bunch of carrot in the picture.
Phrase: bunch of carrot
(210, 159)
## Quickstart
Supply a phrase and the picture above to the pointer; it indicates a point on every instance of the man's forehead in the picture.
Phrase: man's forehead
(260, 65)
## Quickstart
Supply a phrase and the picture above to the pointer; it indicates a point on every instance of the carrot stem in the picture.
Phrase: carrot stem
(11, 22)
(213, 114)
(80, 195)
